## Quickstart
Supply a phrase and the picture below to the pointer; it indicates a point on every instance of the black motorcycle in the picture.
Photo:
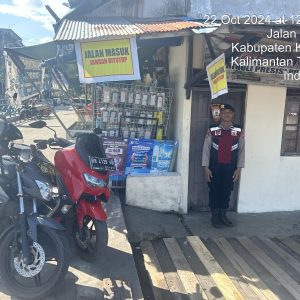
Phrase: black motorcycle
(34, 251)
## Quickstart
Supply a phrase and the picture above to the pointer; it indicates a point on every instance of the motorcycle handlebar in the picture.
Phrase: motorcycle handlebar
(48, 141)
(57, 142)
(39, 141)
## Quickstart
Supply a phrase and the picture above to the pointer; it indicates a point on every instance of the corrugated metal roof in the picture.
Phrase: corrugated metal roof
(90, 29)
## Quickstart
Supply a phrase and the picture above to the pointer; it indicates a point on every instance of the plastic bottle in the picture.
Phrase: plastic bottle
(99, 122)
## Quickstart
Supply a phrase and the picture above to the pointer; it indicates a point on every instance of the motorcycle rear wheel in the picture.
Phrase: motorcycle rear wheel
(19, 285)
(93, 241)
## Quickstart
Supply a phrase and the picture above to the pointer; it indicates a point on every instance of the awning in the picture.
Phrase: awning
(101, 28)
(36, 52)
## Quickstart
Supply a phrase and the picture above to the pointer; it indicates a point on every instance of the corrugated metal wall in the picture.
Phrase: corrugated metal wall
(274, 8)
(197, 8)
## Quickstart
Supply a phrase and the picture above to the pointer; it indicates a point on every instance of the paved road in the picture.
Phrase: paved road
(66, 114)
(114, 275)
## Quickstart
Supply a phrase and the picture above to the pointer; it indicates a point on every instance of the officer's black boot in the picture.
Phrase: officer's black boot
(215, 222)
(223, 218)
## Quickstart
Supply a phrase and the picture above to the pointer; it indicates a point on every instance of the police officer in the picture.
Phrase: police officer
(223, 157)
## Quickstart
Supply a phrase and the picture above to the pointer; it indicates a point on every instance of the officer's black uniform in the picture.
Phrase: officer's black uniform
(223, 153)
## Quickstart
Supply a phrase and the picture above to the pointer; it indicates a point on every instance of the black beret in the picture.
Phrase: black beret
(227, 106)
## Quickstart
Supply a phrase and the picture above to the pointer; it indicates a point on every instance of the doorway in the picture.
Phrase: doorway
(201, 118)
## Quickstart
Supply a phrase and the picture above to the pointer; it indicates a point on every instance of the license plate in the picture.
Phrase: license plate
(102, 164)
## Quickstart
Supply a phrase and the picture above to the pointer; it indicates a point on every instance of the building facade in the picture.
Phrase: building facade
(267, 106)
(8, 38)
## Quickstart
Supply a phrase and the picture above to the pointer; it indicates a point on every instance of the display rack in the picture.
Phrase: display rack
(132, 110)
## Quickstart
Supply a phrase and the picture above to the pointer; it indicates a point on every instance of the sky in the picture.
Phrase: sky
(30, 19)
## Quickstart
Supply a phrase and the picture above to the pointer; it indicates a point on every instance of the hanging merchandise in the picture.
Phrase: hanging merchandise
(137, 99)
(160, 100)
(123, 96)
(150, 156)
(115, 97)
(106, 94)
(126, 132)
(152, 100)
(139, 156)
(134, 110)
(116, 148)
(159, 133)
(99, 123)
(145, 100)
(130, 98)
(164, 154)
(113, 117)
(105, 115)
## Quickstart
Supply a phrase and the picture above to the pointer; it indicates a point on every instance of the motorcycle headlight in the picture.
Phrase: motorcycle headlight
(45, 190)
(26, 155)
(94, 181)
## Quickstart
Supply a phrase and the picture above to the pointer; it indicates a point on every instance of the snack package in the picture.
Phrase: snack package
(139, 156)
(116, 148)
(130, 98)
(106, 94)
(115, 97)
(150, 116)
(105, 115)
(137, 99)
(152, 101)
(163, 156)
(123, 96)
(145, 100)
(160, 100)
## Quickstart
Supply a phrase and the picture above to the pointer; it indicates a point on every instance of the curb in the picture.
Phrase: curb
(117, 239)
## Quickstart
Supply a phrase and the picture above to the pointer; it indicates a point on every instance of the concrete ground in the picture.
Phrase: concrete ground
(144, 225)
(114, 275)
(275, 224)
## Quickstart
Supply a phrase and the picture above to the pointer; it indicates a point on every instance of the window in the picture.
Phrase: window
(291, 124)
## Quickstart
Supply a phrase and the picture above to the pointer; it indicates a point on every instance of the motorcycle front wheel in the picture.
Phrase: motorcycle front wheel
(92, 239)
(43, 274)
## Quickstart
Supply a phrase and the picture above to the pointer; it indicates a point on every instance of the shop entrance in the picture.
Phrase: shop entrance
(200, 120)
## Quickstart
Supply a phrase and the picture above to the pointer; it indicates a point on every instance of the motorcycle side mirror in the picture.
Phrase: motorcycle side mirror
(42, 145)
(38, 124)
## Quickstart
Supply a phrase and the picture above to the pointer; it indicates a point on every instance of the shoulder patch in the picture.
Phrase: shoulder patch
(236, 129)
(215, 128)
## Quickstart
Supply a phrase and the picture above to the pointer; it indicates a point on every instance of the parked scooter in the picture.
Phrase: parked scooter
(82, 180)
(34, 251)
(26, 112)
(8, 111)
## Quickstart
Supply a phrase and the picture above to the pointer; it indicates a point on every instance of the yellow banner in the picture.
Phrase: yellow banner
(107, 60)
(216, 73)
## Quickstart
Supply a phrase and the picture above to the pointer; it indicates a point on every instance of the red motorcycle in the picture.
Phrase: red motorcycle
(83, 184)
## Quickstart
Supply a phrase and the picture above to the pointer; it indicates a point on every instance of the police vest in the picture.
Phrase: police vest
(225, 143)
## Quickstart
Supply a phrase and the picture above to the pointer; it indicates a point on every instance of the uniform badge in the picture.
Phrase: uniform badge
(218, 132)
(233, 132)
